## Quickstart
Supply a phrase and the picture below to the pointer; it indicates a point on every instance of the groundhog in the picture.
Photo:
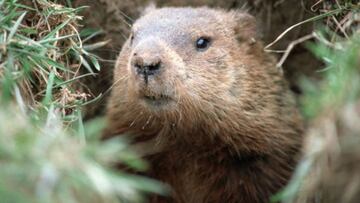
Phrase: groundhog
(207, 106)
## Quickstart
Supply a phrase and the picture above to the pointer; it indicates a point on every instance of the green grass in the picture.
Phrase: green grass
(43, 162)
(324, 101)
(47, 153)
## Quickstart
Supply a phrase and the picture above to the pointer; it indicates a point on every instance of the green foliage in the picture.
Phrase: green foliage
(42, 162)
(341, 77)
(41, 41)
(326, 99)
(47, 153)
(340, 87)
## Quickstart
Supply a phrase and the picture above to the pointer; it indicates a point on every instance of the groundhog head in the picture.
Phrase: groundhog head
(180, 56)
(196, 70)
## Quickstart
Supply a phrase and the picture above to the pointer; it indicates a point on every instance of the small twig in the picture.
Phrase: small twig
(313, 6)
(347, 21)
(338, 4)
(291, 46)
(340, 27)
(301, 23)
(326, 42)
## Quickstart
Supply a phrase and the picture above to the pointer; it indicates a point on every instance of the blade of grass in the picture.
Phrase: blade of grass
(315, 18)
(56, 39)
(48, 94)
(54, 31)
(95, 62)
(15, 27)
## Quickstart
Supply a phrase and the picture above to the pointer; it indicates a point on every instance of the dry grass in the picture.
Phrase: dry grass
(47, 152)
(329, 171)
(45, 55)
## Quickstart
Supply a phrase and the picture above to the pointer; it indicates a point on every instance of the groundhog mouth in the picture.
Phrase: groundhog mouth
(157, 100)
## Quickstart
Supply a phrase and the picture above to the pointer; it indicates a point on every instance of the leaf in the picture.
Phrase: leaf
(15, 27)
(86, 64)
(73, 79)
(54, 31)
(56, 39)
(48, 94)
(95, 62)
(94, 46)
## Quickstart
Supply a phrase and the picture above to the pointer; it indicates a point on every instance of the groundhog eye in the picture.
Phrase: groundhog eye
(202, 43)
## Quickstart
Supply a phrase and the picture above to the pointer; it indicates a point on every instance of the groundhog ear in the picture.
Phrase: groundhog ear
(245, 27)
(150, 7)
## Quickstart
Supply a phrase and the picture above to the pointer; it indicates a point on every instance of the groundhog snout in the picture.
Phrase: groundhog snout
(146, 62)
(146, 65)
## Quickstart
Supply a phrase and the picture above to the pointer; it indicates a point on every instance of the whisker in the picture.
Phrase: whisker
(132, 123)
(147, 122)
(113, 85)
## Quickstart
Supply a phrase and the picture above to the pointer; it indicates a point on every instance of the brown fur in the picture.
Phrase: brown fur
(229, 130)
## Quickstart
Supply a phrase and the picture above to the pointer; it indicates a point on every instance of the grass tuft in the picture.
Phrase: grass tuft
(47, 153)
(331, 108)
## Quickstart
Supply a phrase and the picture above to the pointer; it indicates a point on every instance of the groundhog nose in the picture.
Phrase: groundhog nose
(146, 65)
